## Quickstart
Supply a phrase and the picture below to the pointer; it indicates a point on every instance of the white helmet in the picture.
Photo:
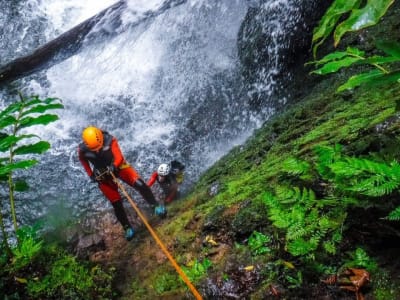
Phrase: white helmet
(163, 169)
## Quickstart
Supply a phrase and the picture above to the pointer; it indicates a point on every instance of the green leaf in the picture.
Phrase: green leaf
(381, 59)
(41, 120)
(334, 66)
(42, 109)
(7, 121)
(359, 79)
(331, 56)
(6, 143)
(10, 109)
(37, 148)
(329, 20)
(367, 16)
(21, 186)
(374, 77)
(394, 215)
(390, 48)
(23, 164)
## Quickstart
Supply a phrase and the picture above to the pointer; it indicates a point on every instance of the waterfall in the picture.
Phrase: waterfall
(169, 87)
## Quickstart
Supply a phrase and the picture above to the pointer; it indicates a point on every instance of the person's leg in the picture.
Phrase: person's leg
(145, 191)
(131, 177)
(110, 190)
(121, 214)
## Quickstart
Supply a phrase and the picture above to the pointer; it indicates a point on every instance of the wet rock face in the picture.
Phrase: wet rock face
(90, 244)
(236, 222)
(274, 42)
(238, 283)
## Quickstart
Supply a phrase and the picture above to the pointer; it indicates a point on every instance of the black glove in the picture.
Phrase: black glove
(93, 178)
(112, 169)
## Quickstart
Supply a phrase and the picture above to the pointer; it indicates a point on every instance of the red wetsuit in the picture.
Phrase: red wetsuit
(110, 154)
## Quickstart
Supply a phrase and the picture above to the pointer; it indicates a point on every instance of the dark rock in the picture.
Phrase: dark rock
(90, 244)
(274, 43)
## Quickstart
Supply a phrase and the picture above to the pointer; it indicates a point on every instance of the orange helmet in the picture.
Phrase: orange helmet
(93, 138)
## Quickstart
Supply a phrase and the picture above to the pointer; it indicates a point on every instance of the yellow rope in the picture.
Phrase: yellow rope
(159, 242)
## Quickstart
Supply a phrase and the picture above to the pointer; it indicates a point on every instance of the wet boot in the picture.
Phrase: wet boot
(123, 219)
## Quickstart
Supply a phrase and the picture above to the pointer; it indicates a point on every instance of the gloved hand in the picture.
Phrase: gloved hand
(93, 178)
(111, 169)
(160, 211)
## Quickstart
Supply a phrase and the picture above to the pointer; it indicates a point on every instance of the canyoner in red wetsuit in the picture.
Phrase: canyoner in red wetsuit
(100, 154)
(169, 177)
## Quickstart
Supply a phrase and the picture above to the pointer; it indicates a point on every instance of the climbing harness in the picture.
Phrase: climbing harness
(178, 269)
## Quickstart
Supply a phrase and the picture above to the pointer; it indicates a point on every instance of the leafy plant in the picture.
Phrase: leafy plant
(360, 259)
(295, 281)
(381, 73)
(356, 17)
(308, 222)
(15, 145)
(166, 282)
(198, 270)
(28, 247)
(67, 279)
(394, 215)
(297, 167)
(258, 243)
(360, 176)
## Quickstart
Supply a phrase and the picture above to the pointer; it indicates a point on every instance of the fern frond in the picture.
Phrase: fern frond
(394, 215)
(270, 200)
(376, 186)
(329, 247)
(300, 247)
(278, 218)
(295, 232)
(326, 156)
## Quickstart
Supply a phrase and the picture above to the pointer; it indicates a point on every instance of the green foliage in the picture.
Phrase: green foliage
(45, 271)
(394, 215)
(295, 281)
(333, 62)
(64, 277)
(297, 167)
(357, 17)
(258, 243)
(14, 118)
(308, 222)
(384, 287)
(360, 259)
(67, 279)
(311, 224)
(360, 176)
(367, 177)
(166, 282)
(198, 270)
(139, 290)
(28, 247)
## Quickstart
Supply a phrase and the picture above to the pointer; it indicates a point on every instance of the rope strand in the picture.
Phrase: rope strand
(159, 242)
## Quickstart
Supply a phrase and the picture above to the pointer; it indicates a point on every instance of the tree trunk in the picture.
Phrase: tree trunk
(71, 41)
(56, 50)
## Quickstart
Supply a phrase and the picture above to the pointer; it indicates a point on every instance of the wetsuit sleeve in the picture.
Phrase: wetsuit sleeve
(117, 154)
(85, 163)
(152, 179)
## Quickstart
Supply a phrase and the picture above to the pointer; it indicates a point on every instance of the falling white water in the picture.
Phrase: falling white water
(167, 87)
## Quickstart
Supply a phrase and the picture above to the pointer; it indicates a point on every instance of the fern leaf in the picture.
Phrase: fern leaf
(295, 167)
(394, 215)
(299, 247)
